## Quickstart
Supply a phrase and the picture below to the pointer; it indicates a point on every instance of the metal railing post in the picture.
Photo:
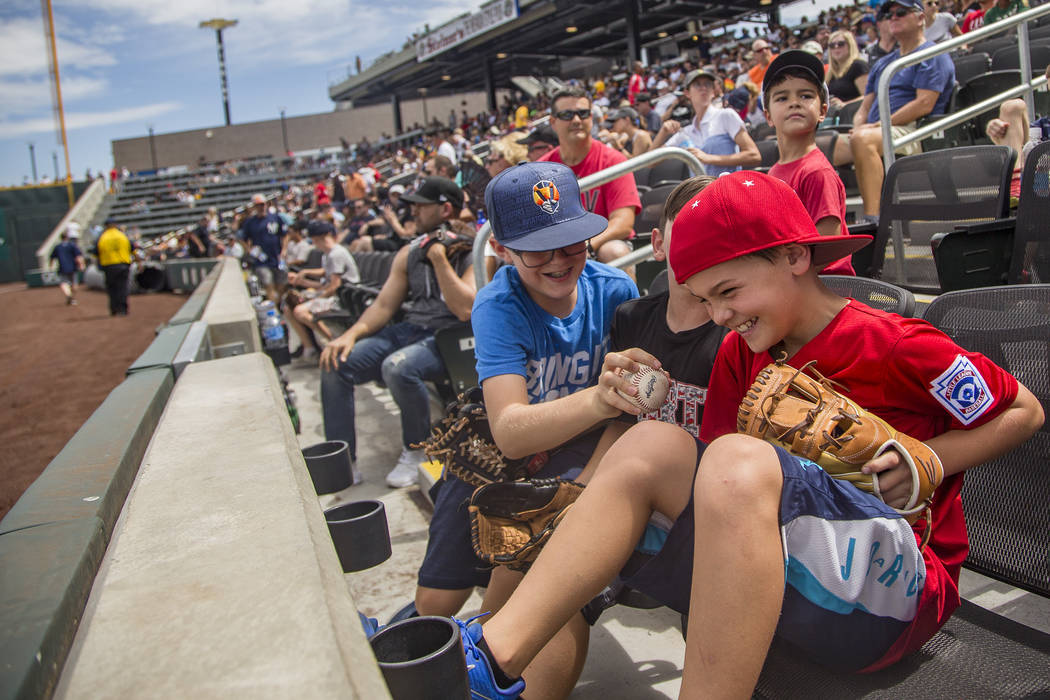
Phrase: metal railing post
(589, 183)
(1026, 86)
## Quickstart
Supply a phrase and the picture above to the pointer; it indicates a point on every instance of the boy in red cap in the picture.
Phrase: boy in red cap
(765, 542)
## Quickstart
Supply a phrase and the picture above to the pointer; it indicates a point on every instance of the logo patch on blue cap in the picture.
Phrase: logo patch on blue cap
(546, 196)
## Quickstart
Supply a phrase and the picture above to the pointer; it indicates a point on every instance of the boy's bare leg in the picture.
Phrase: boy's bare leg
(298, 327)
(738, 568)
(1011, 127)
(595, 539)
(866, 144)
(440, 601)
(553, 673)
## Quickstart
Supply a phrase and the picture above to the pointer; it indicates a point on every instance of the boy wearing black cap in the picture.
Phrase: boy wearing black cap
(542, 332)
(765, 542)
(796, 101)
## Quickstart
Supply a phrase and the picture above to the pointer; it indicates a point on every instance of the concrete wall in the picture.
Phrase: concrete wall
(264, 138)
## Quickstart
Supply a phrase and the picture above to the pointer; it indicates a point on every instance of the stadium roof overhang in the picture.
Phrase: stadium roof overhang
(544, 32)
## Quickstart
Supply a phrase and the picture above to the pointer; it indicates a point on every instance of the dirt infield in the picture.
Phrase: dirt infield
(57, 364)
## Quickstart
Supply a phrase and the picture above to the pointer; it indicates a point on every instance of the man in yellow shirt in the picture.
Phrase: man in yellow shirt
(114, 258)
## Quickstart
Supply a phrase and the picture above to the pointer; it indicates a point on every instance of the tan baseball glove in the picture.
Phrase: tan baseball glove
(811, 419)
(511, 521)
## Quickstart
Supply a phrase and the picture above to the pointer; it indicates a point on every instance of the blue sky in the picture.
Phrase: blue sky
(126, 65)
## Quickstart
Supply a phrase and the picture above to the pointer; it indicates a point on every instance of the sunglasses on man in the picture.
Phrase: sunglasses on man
(566, 115)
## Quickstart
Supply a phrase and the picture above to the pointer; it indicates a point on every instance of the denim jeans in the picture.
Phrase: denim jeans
(404, 355)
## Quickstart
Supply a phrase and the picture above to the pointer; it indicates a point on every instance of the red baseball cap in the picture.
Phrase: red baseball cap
(744, 212)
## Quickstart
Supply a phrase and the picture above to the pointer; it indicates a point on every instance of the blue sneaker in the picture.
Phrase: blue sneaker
(482, 683)
(370, 625)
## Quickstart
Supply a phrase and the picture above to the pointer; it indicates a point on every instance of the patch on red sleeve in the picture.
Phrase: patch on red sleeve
(962, 391)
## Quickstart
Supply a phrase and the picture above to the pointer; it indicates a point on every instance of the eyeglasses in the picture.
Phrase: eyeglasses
(838, 44)
(899, 13)
(765, 48)
(566, 115)
(493, 159)
(539, 258)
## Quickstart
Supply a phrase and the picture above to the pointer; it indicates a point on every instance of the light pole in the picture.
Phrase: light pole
(54, 160)
(218, 25)
(32, 159)
(284, 133)
(152, 148)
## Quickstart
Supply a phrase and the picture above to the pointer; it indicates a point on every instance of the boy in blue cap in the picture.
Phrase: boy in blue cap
(542, 333)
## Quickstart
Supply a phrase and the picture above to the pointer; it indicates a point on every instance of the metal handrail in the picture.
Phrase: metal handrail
(589, 183)
(1025, 87)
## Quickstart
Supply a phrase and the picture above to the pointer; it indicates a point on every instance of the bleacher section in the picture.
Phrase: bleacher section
(148, 202)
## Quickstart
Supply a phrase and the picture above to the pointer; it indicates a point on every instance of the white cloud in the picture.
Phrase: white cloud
(84, 120)
(23, 50)
(28, 96)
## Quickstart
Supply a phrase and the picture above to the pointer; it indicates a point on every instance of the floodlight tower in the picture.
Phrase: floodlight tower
(218, 25)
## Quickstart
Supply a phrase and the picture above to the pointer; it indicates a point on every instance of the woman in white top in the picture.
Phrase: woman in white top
(939, 25)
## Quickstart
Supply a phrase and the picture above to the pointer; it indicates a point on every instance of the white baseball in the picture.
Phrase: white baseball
(652, 386)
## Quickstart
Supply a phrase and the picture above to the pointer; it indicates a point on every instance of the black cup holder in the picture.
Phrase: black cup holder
(422, 659)
(360, 534)
(329, 466)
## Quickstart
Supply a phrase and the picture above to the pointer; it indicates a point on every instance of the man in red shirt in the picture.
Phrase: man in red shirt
(617, 201)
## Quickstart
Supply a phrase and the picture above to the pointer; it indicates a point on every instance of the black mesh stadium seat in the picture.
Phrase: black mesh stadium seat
(970, 65)
(978, 654)
(875, 293)
(930, 193)
(1010, 251)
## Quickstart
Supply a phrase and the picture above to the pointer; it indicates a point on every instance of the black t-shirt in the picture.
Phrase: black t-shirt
(688, 356)
(845, 88)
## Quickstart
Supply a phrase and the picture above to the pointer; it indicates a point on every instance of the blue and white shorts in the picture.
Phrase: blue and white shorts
(853, 570)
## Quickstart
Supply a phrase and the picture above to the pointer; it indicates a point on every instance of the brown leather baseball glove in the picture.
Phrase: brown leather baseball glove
(511, 521)
(463, 444)
(811, 419)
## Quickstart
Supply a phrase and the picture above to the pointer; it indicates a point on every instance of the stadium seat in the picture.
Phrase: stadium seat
(930, 193)
(669, 171)
(455, 345)
(980, 88)
(1010, 251)
(875, 293)
(971, 65)
(978, 653)
(1008, 58)
(652, 206)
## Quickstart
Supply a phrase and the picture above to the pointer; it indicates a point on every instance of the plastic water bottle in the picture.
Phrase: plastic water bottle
(273, 330)
(253, 286)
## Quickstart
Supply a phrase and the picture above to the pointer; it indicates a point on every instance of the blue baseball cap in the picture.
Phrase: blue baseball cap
(536, 206)
(913, 5)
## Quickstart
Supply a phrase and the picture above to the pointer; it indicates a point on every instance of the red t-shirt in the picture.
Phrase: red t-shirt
(635, 85)
(603, 200)
(914, 377)
(973, 20)
(821, 190)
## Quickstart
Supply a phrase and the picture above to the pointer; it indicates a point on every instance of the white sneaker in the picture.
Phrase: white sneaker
(355, 475)
(406, 471)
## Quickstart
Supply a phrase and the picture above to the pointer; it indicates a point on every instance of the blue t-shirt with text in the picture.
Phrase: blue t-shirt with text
(937, 73)
(556, 356)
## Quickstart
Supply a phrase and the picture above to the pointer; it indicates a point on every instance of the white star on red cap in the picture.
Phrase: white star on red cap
(749, 183)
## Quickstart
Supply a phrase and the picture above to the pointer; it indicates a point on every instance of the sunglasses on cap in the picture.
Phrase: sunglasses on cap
(566, 115)
(540, 147)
